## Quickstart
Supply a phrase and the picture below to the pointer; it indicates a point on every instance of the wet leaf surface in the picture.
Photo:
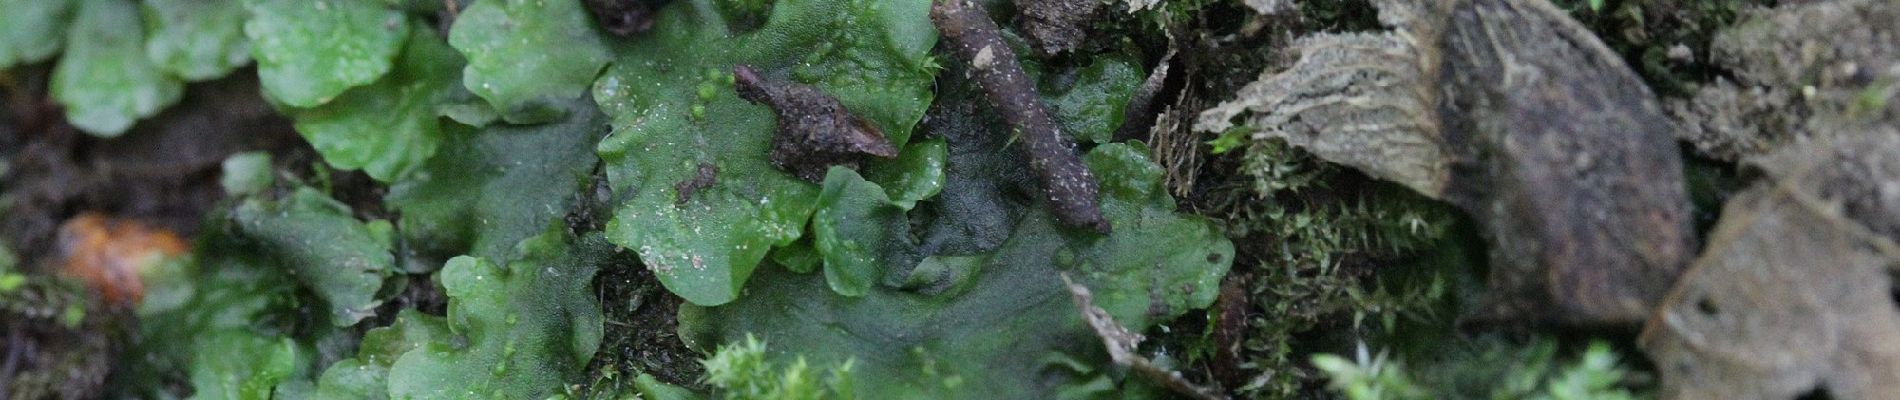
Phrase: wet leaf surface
(672, 100)
(491, 187)
(990, 332)
(104, 80)
(524, 328)
(343, 260)
(511, 64)
(197, 39)
(366, 375)
(310, 51)
(1090, 106)
(392, 126)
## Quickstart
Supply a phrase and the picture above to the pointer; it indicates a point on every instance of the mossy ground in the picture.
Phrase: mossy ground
(1328, 259)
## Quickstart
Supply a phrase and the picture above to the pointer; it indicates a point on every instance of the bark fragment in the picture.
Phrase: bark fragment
(815, 131)
(1070, 187)
(1515, 113)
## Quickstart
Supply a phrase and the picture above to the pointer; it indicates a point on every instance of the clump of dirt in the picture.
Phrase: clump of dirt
(642, 329)
(163, 172)
(56, 341)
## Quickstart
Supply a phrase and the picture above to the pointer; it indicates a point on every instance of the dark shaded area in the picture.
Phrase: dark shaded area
(625, 17)
(45, 353)
(642, 329)
(1056, 26)
(163, 172)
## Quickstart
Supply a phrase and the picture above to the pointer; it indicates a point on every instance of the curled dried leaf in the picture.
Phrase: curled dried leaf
(1359, 99)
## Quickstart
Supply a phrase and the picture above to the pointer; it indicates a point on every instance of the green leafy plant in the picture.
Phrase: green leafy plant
(105, 81)
(309, 52)
(522, 329)
(741, 371)
(957, 320)
(512, 63)
(674, 110)
(1492, 369)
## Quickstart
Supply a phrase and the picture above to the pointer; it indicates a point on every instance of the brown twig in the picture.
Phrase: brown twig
(1121, 345)
(973, 38)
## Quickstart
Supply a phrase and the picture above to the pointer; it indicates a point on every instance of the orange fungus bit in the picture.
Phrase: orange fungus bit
(110, 253)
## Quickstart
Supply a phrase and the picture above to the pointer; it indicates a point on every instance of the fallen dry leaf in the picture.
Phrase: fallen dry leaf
(109, 254)
(1792, 294)
(1520, 116)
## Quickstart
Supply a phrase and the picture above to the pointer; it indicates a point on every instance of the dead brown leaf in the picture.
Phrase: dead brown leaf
(1792, 293)
(1517, 114)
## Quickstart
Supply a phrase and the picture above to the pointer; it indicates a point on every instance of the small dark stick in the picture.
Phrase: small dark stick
(974, 38)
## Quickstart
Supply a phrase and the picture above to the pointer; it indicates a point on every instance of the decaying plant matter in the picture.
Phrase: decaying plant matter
(1514, 112)
(1800, 71)
(1056, 26)
(1071, 189)
(1792, 294)
(814, 132)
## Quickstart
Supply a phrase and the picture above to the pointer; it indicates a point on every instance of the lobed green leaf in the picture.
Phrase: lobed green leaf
(310, 51)
(105, 81)
(674, 110)
(343, 260)
(990, 337)
(524, 329)
(32, 30)
(528, 57)
(197, 39)
(391, 126)
(490, 188)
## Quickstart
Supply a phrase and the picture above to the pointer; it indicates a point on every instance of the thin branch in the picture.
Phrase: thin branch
(973, 38)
